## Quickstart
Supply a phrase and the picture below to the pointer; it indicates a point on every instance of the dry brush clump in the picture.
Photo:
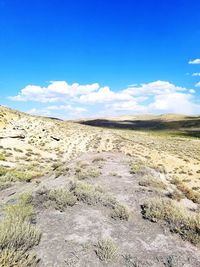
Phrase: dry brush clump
(2, 157)
(106, 250)
(62, 198)
(18, 235)
(151, 181)
(176, 195)
(178, 218)
(136, 167)
(87, 193)
(187, 191)
(84, 172)
(13, 175)
(120, 211)
(94, 195)
(98, 159)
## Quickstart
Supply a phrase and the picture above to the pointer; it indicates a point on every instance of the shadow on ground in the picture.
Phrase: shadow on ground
(189, 127)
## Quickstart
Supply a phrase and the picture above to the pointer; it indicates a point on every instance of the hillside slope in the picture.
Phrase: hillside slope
(96, 196)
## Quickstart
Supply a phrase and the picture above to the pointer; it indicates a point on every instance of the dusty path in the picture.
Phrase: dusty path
(69, 237)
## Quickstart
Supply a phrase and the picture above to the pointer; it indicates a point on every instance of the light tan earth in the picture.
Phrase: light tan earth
(69, 237)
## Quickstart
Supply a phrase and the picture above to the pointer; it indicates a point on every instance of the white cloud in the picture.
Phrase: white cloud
(154, 88)
(196, 74)
(195, 61)
(175, 103)
(56, 91)
(154, 97)
(103, 95)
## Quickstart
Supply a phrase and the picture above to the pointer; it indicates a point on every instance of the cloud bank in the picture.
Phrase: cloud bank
(65, 100)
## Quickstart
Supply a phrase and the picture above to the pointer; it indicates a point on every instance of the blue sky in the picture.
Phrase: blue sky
(74, 58)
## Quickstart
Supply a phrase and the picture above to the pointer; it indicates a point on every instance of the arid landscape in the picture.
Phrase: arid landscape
(121, 191)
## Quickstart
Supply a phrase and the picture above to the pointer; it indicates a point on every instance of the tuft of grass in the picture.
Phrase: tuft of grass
(98, 159)
(14, 175)
(151, 181)
(179, 219)
(18, 150)
(187, 192)
(90, 172)
(87, 193)
(22, 210)
(3, 171)
(135, 168)
(106, 250)
(176, 195)
(18, 235)
(120, 212)
(93, 195)
(62, 198)
(2, 157)
(12, 258)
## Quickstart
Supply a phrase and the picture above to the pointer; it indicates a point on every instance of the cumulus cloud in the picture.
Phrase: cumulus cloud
(175, 103)
(103, 95)
(194, 61)
(154, 88)
(75, 99)
(56, 91)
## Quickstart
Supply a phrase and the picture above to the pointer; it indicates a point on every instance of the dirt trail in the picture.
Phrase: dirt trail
(68, 237)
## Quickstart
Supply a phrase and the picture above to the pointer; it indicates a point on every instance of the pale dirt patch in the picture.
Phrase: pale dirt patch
(70, 236)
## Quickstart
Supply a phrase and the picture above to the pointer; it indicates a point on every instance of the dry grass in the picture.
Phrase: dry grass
(12, 258)
(88, 193)
(93, 195)
(120, 212)
(106, 250)
(176, 195)
(135, 168)
(89, 172)
(151, 181)
(62, 198)
(2, 156)
(13, 175)
(187, 192)
(98, 159)
(18, 235)
(179, 219)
